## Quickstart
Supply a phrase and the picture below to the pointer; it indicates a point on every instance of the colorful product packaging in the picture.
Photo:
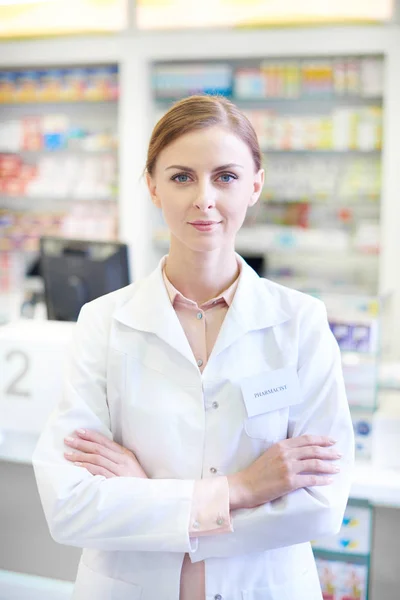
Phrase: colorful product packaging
(26, 84)
(50, 85)
(72, 85)
(94, 89)
(9, 165)
(112, 83)
(55, 128)
(363, 434)
(7, 86)
(342, 580)
(353, 337)
(32, 138)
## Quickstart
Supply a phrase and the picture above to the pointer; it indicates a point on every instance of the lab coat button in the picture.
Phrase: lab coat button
(213, 470)
(215, 405)
(220, 521)
(199, 363)
(196, 525)
(217, 597)
(199, 315)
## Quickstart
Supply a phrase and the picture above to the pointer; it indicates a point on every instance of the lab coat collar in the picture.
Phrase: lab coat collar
(254, 307)
(149, 309)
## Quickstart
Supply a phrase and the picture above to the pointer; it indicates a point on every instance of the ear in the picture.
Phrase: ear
(153, 190)
(257, 187)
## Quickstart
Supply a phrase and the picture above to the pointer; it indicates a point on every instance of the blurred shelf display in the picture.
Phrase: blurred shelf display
(75, 84)
(343, 129)
(343, 560)
(54, 133)
(58, 176)
(288, 79)
(341, 580)
(58, 162)
(354, 537)
(21, 230)
(355, 321)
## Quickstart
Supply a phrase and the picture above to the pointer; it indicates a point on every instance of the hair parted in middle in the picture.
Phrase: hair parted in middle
(199, 112)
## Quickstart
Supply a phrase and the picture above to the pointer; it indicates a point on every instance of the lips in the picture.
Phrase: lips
(203, 222)
(205, 225)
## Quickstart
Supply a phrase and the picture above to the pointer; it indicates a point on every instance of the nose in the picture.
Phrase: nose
(205, 197)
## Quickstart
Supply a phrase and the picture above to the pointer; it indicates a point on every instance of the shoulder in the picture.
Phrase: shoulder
(308, 322)
(296, 304)
(102, 309)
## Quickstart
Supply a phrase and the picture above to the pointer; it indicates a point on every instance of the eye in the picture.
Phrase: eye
(226, 177)
(181, 178)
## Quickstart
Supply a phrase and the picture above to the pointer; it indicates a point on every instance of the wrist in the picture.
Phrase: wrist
(238, 494)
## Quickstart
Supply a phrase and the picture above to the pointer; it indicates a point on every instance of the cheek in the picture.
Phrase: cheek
(173, 206)
(235, 203)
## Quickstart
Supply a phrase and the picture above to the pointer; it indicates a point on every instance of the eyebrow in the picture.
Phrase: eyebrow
(190, 170)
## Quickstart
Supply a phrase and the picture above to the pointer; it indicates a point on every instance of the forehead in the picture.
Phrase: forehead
(206, 147)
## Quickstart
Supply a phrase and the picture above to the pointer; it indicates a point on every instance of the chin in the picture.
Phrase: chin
(203, 244)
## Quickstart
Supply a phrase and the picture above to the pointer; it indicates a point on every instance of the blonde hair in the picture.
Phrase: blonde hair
(198, 112)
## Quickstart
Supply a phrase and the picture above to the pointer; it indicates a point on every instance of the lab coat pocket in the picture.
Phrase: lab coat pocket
(267, 398)
(91, 585)
(300, 587)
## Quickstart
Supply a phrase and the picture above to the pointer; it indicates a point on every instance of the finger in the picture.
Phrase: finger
(93, 448)
(96, 470)
(316, 466)
(310, 440)
(305, 481)
(99, 438)
(307, 452)
(92, 459)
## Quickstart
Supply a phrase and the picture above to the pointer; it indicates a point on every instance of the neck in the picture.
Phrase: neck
(201, 276)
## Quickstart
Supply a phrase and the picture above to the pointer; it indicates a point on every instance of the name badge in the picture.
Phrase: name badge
(271, 391)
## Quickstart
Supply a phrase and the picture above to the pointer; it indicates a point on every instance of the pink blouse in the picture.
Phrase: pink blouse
(210, 506)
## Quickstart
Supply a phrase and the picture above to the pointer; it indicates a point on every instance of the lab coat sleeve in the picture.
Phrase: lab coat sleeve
(308, 513)
(121, 513)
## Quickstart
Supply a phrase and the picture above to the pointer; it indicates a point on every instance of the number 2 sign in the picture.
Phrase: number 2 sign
(16, 388)
(31, 373)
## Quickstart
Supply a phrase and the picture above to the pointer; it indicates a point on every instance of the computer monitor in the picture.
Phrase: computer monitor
(77, 271)
(258, 262)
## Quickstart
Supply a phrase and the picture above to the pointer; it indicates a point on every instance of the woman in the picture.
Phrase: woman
(204, 436)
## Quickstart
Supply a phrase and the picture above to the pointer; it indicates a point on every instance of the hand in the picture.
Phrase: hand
(291, 464)
(101, 456)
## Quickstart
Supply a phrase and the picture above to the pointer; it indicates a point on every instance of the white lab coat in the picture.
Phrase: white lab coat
(132, 376)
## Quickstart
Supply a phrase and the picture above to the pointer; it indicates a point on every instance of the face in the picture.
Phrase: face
(204, 182)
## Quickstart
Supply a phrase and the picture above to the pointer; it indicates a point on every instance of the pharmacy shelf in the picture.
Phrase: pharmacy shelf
(56, 104)
(58, 152)
(11, 201)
